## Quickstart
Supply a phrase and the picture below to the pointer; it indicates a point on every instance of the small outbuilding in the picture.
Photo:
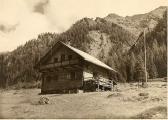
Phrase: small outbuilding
(66, 69)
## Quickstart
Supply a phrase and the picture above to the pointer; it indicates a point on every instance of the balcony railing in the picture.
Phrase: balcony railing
(59, 64)
(101, 80)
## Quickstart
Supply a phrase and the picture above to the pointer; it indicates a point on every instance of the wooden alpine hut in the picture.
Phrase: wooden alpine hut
(65, 69)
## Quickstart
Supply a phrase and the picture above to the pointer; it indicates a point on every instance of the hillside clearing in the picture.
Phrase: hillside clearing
(124, 104)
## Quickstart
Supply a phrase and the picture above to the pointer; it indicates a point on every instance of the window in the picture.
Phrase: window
(68, 76)
(69, 57)
(72, 75)
(62, 57)
(55, 59)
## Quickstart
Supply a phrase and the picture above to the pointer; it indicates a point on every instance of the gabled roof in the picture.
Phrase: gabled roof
(87, 57)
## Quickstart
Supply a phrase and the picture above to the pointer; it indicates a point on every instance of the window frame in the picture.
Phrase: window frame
(56, 60)
(69, 57)
(62, 57)
(67, 76)
(73, 75)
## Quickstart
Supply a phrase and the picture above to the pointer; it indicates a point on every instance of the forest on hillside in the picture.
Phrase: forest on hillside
(156, 46)
(18, 66)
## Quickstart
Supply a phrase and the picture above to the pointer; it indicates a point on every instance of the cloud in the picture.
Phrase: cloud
(41, 6)
(8, 28)
(20, 23)
(22, 20)
(63, 13)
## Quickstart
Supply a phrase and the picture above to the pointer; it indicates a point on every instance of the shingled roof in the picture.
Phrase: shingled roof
(87, 57)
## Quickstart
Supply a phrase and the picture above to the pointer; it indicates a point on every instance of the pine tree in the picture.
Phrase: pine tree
(130, 67)
(139, 74)
(152, 70)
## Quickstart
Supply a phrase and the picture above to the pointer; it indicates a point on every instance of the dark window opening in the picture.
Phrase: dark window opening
(62, 57)
(55, 60)
(69, 57)
(72, 75)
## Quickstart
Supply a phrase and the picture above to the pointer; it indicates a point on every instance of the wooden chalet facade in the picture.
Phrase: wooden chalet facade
(66, 69)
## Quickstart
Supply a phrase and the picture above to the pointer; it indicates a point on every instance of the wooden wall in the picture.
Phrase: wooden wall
(62, 50)
(62, 80)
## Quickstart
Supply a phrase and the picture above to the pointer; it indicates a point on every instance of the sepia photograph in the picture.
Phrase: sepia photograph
(83, 59)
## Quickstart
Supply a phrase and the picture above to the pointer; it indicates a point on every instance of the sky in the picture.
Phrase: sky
(23, 20)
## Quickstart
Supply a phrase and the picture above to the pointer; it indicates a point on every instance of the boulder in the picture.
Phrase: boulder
(43, 100)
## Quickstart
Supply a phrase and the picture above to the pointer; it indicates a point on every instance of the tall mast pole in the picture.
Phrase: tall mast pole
(145, 55)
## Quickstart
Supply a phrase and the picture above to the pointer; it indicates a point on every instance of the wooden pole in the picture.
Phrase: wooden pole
(145, 55)
(112, 86)
(98, 84)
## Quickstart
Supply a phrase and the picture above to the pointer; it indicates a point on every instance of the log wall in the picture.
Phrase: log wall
(62, 80)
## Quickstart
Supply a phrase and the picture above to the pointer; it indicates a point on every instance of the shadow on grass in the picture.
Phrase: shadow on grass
(114, 95)
(159, 112)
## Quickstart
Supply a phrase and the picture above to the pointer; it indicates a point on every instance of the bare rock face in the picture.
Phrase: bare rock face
(43, 100)
(136, 23)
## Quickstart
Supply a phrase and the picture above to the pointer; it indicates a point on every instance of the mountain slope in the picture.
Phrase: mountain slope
(136, 23)
(99, 38)
(156, 45)
(108, 41)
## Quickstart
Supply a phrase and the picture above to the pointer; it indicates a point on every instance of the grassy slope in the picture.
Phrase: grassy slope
(126, 104)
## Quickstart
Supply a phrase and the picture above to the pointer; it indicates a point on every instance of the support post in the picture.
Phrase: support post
(98, 84)
(112, 87)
